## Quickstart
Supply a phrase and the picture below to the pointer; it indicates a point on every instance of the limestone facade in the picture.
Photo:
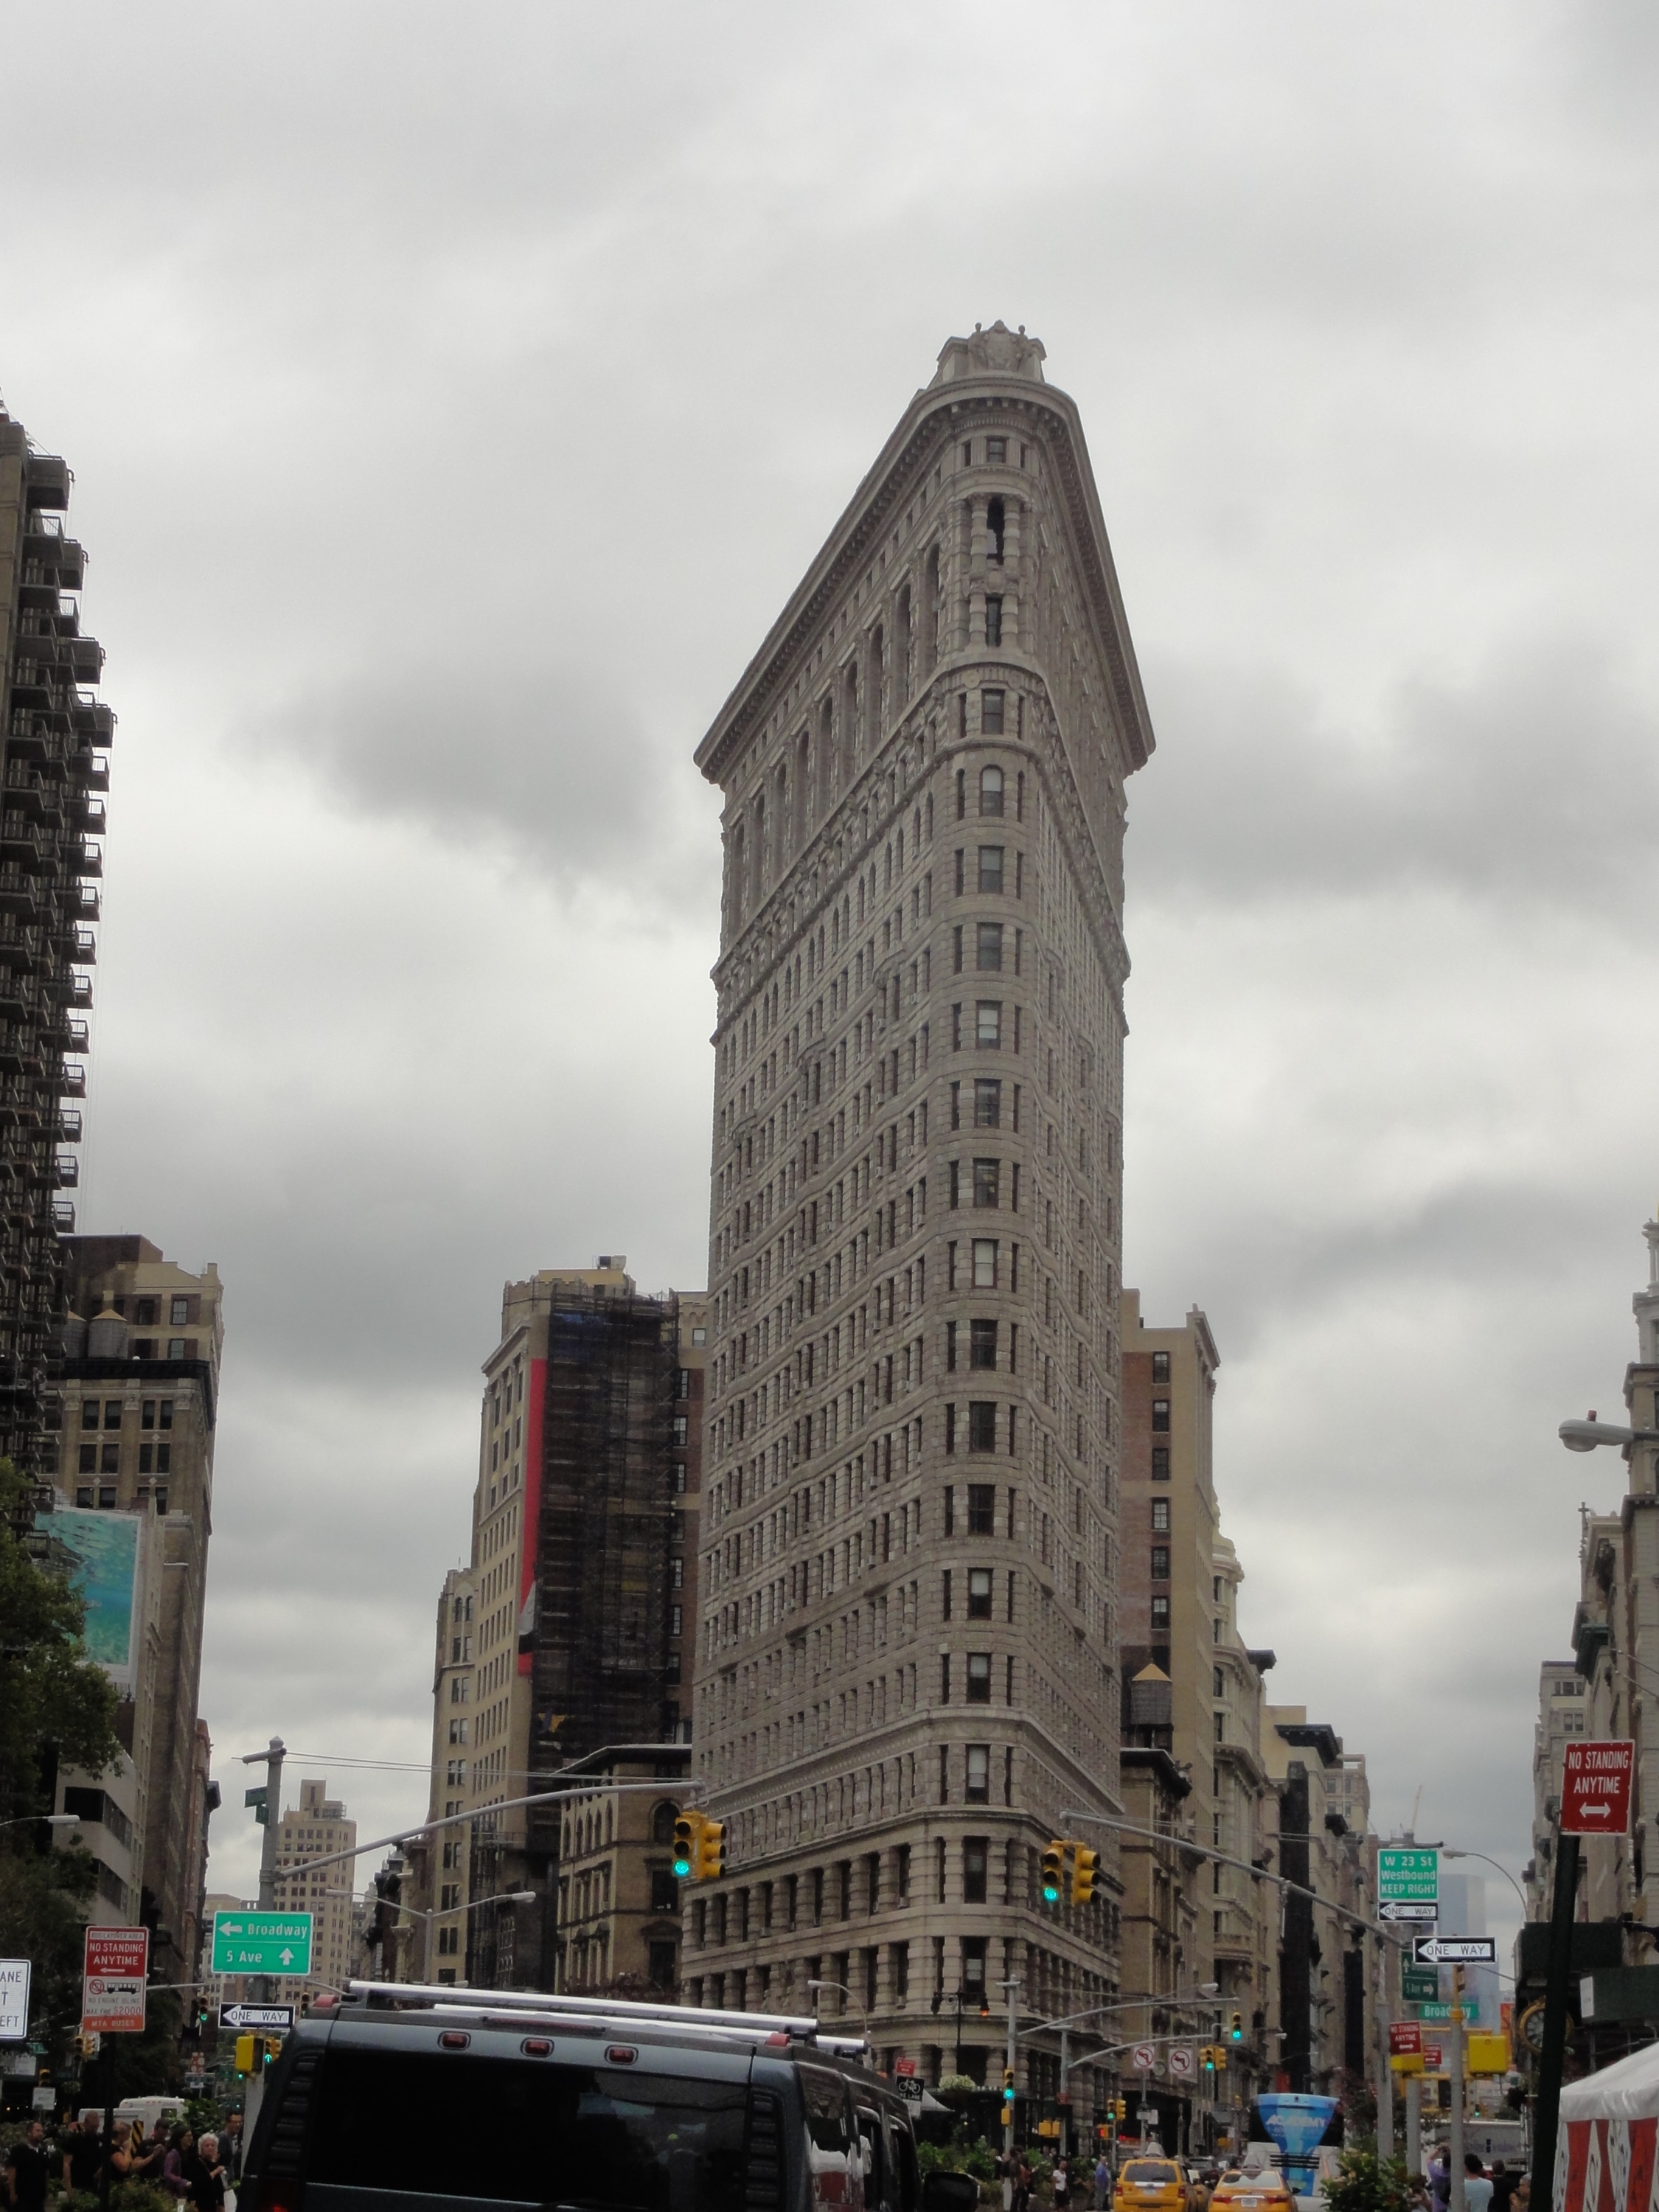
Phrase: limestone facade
(907, 1663)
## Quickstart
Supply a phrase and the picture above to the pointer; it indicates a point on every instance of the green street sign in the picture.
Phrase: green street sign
(1409, 1876)
(1419, 1984)
(256, 1942)
(1440, 2013)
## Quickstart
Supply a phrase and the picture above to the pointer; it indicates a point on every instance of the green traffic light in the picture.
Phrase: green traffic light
(1050, 1894)
(681, 1867)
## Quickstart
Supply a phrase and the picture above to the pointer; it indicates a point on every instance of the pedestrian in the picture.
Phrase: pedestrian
(1417, 2193)
(1521, 2198)
(205, 2175)
(1477, 2189)
(1440, 2179)
(1062, 2179)
(230, 2149)
(181, 2146)
(27, 2169)
(1102, 2183)
(1503, 2185)
(1023, 2185)
(1004, 2170)
(83, 2148)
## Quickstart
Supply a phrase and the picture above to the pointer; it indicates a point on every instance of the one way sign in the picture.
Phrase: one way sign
(1455, 1950)
(1408, 1908)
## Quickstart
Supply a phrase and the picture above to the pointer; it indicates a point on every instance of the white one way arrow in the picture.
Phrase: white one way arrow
(287, 1956)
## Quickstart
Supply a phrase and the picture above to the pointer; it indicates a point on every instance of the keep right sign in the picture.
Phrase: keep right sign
(1596, 1788)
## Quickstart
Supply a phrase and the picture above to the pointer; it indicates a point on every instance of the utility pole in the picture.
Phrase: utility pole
(1384, 2071)
(272, 1757)
(1413, 2123)
(1012, 1985)
(1546, 2110)
(1456, 2199)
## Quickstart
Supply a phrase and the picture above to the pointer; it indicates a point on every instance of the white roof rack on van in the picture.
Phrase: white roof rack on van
(534, 2004)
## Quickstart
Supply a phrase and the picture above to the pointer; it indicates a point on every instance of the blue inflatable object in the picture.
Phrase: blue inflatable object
(1298, 2126)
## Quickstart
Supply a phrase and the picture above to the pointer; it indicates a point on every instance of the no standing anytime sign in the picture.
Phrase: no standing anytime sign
(1595, 1789)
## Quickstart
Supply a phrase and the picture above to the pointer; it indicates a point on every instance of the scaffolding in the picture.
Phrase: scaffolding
(602, 1552)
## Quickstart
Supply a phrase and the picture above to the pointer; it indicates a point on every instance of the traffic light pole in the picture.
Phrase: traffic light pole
(273, 1755)
(1546, 2108)
(1013, 1988)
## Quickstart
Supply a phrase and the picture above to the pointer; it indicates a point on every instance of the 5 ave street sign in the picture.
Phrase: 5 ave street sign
(1455, 1950)
(281, 2017)
(257, 1943)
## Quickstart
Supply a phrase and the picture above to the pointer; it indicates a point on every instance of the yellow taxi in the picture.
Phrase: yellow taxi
(1152, 2185)
(1252, 2188)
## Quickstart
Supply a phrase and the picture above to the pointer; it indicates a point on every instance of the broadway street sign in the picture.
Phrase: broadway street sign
(1455, 1950)
(258, 1942)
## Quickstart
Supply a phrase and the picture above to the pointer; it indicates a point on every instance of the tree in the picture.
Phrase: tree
(52, 1697)
(57, 1709)
(1366, 2184)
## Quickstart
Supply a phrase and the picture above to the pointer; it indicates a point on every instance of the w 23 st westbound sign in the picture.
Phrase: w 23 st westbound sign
(1596, 1788)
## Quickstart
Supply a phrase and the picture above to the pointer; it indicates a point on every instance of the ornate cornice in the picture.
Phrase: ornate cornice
(926, 422)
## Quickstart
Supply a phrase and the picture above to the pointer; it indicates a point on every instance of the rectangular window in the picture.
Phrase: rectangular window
(143, 1313)
(982, 1426)
(982, 1508)
(985, 1263)
(146, 1458)
(944, 1699)
(665, 1891)
(163, 1459)
(146, 1415)
(1160, 1416)
(88, 1459)
(89, 1414)
(996, 451)
(1160, 1463)
(987, 1182)
(987, 1025)
(1160, 1563)
(979, 1593)
(1161, 1613)
(988, 944)
(988, 1102)
(1160, 1517)
(1220, 1683)
(110, 1459)
(981, 1344)
(166, 1412)
(1160, 1367)
(975, 1865)
(175, 1347)
(993, 620)
(990, 867)
(978, 1792)
(990, 714)
(979, 1678)
(945, 1594)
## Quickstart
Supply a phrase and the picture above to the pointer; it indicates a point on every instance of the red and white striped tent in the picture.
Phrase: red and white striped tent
(1604, 2157)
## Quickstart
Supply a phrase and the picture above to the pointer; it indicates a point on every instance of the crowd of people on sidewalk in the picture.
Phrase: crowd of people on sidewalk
(200, 2172)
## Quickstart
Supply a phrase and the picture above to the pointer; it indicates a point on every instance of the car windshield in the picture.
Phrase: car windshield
(527, 2132)
(1147, 2170)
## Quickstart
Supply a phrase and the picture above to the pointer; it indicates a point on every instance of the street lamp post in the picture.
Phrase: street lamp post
(429, 1913)
(846, 1992)
(44, 1820)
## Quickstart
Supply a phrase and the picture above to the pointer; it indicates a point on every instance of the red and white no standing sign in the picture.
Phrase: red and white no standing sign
(1595, 1789)
(1405, 2039)
(113, 1986)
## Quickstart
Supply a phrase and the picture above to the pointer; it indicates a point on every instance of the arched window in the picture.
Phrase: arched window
(662, 1826)
(990, 791)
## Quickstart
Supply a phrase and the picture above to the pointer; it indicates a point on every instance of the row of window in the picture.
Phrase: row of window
(152, 1413)
(105, 1499)
(106, 1459)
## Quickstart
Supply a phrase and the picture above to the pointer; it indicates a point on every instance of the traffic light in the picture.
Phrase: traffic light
(1120, 2111)
(1206, 2058)
(1236, 2028)
(1053, 1864)
(688, 1834)
(204, 2015)
(1008, 2092)
(711, 1851)
(245, 2054)
(1086, 1864)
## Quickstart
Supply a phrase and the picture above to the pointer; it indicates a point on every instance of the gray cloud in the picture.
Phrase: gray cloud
(1532, 785)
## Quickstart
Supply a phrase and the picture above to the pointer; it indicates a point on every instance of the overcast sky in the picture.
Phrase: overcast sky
(455, 395)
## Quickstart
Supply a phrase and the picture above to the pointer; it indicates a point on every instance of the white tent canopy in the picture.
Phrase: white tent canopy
(1628, 2090)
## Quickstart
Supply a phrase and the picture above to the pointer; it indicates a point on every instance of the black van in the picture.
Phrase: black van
(400, 2099)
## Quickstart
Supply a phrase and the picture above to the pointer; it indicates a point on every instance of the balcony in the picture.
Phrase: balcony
(94, 817)
(72, 1082)
(86, 659)
(19, 940)
(87, 904)
(91, 770)
(66, 1170)
(76, 1036)
(63, 1216)
(76, 992)
(83, 946)
(90, 861)
(67, 1126)
(93, 723)
(49, 479)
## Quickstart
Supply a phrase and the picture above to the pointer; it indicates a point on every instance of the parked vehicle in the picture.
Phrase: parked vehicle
(425, 2095)
(1154, 2185)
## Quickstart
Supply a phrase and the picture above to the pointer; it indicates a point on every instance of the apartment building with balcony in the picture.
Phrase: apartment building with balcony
(54, 772)
(908, 1651)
